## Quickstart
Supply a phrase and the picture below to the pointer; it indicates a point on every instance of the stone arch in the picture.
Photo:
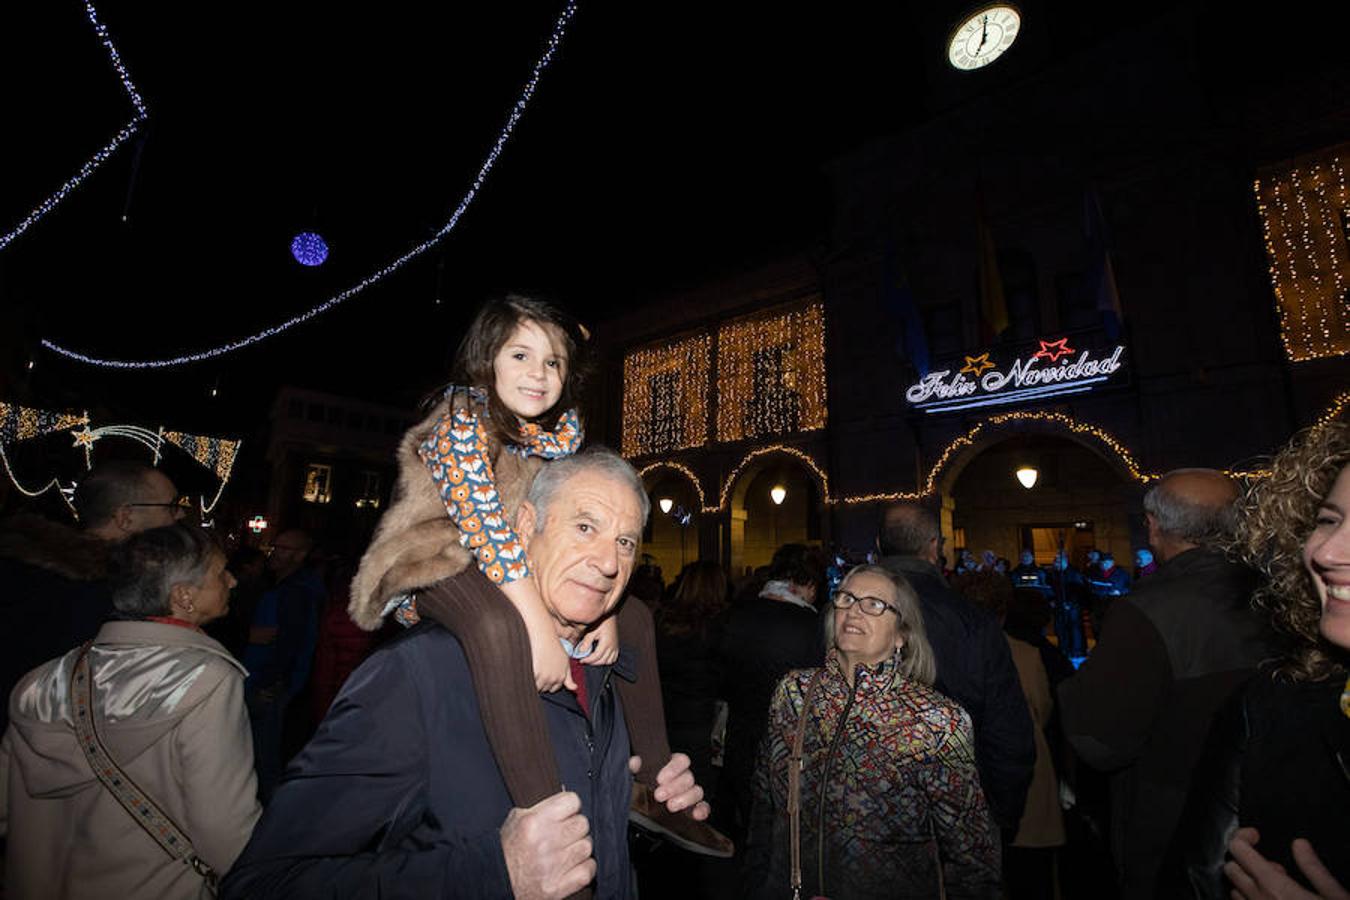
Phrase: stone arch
(756, 525)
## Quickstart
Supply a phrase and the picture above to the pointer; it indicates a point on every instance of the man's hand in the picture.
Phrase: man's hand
(606, 638)
(548, 848)
(1256, 878)
(675, 786)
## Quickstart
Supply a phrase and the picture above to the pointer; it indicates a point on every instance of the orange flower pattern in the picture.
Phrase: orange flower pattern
(458, 456)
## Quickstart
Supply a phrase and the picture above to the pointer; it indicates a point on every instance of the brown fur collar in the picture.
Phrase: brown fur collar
(54, 547)
(416, 543)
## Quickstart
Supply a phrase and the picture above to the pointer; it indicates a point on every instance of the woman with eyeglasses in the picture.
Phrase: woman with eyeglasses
(888, 802)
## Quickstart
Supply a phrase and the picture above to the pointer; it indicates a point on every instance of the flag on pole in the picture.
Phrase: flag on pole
(899, 299)
(1101, 281)
(993, 305)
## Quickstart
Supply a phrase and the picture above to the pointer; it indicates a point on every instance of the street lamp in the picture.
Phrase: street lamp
(1028, 475)
(778, 494)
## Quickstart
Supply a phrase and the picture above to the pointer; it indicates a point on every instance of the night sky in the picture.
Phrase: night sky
(667, 144)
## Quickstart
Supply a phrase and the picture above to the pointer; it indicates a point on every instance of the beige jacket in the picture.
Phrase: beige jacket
(170, 707)
(1042, 823)
(416, 543)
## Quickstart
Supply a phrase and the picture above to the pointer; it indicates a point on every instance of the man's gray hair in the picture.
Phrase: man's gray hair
(1203, 524)
(146, 566)
(598, 459)
(907, 529)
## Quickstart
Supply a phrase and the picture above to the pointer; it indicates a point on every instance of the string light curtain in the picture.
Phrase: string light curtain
(665, 395)
(771, 374)
(1305, 212)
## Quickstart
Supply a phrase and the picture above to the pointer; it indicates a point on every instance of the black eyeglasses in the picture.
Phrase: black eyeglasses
(872, 606)
(181, 507)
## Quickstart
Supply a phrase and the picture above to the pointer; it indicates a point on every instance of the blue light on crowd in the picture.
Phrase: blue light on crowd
(309, 249)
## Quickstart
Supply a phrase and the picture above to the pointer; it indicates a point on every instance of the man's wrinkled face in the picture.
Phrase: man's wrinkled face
(587, 547)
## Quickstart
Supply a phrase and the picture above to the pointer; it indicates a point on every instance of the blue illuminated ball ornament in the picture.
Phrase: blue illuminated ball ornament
(309, 249)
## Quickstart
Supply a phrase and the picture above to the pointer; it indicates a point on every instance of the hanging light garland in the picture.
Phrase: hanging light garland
(750, 457)
(127, 130)
(1334, 411)
(683, 470)
(771, 374)
(665, 395)
(21, 423)
(555, 40)
(1304, 206)
(945, 458)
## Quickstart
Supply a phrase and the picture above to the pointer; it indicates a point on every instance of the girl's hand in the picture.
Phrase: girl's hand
(606, 638)
(549, 661)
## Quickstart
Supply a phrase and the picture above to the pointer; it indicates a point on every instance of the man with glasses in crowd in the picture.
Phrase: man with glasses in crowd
(52, 590)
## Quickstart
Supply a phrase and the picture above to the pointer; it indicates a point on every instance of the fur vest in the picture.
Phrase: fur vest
(54, 547)
(416, 543)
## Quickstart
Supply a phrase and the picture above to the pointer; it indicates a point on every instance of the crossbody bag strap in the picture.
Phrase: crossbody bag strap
(135, 801)
(794, 797)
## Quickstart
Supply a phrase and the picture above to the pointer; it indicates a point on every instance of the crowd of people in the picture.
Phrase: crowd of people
(501, 699)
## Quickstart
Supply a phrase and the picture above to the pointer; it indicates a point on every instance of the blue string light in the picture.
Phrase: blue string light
(101, 156)
(555, 40)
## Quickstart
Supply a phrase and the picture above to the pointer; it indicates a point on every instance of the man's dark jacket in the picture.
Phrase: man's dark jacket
(764, 639)
(399, 795)
(53, 595)
(1169, 656)
(975, 668)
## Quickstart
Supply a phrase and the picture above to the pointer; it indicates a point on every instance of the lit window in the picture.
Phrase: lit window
(369, 497)
(771, 374)
(665, 395)
(318, 483)
(1305, 208)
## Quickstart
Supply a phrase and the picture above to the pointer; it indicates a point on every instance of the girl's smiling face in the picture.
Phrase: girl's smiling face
(529, 369)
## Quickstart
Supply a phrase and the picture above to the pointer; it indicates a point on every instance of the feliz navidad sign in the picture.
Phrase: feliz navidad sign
(1053, 370)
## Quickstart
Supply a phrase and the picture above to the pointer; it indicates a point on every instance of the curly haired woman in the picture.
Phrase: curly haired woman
(1277, 771)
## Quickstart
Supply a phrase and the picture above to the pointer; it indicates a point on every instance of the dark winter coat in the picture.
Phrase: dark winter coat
(763, 641)
(975, 668)
(52, 595)
(1142, 704)
(1278, 760)
(399, 795)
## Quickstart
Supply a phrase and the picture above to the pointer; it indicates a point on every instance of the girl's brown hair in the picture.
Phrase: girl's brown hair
(1276, 518)
(496, 321)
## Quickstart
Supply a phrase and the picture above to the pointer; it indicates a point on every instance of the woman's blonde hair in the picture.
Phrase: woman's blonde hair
(916, 657)
(1276, 518)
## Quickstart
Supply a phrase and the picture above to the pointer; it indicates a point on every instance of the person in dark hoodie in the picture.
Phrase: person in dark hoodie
(53, 594)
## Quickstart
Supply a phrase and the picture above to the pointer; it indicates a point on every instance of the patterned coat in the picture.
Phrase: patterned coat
(889, 771)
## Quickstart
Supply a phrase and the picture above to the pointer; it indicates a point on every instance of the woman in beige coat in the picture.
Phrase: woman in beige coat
(168, 702)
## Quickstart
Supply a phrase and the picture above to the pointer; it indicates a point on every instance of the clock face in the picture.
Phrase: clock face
(984, 37)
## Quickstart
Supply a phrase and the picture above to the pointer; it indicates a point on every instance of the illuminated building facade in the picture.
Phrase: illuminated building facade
(1172, 288)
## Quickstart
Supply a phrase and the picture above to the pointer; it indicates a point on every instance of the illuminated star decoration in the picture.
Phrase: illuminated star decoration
(84, 437)
(102, 155)
(1053, 350)
(976, 365)
(518, 110)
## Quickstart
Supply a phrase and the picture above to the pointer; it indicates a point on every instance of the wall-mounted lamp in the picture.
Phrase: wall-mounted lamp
(1028, 475)
(665, 503)
(778, 494)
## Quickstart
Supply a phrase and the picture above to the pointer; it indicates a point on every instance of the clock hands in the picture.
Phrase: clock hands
(984, 35)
